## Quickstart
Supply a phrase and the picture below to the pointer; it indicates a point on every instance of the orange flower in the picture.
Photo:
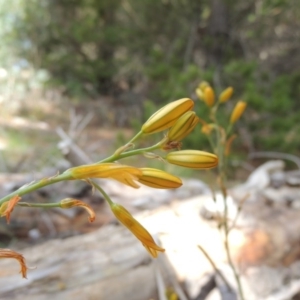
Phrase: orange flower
(124, 216)
(7, 253)
(69, 202)
(7, 207)
(122, 173)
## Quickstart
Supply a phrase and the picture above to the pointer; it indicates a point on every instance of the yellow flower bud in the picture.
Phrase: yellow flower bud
(207, 128)
(7, 253)
(7, 207)
(124, 216)
(209, 96)
(202, 85)
(183, 126)
(226, 95)
(199, 93)
(167, 115)
(159, 179)
(193, 159)
(69, 202)
(238, 111)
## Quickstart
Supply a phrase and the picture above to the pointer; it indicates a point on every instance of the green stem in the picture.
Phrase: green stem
(137, 136)
(222, 174)
(118, 156)
(106, 197)
(35, 186)
(226, 244)
(41, 205)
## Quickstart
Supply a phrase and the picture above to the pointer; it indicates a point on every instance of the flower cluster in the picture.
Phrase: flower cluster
(177, 120)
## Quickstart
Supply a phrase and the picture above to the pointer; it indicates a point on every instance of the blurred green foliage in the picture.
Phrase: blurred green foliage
(161, 49)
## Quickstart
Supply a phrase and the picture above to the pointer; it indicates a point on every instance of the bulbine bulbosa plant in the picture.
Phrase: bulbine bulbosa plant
(177, 119)
(220, 138)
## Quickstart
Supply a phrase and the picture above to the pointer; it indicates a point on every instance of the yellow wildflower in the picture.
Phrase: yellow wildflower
(122, 173)
(209, 96)
(124, 216)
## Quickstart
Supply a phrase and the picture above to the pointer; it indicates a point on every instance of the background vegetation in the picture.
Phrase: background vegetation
(141, 54)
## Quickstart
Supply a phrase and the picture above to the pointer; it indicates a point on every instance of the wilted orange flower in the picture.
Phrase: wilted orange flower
(228, 144)
(124, 216)
(7, 253)
(122, 173)
(69, 202)
(7, 207)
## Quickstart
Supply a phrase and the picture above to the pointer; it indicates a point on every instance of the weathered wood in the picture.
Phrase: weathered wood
(106, 264)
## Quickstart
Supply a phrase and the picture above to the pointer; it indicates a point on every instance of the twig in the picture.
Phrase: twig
(65, 137)
(215, 267)
(278, 155)
(238, 212)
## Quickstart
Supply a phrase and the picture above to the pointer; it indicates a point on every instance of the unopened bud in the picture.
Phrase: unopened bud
(159, 179)
(209, 96)
(238, 111)
(167, 116)
(226, 95)
(183, 126)
(193, 159)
